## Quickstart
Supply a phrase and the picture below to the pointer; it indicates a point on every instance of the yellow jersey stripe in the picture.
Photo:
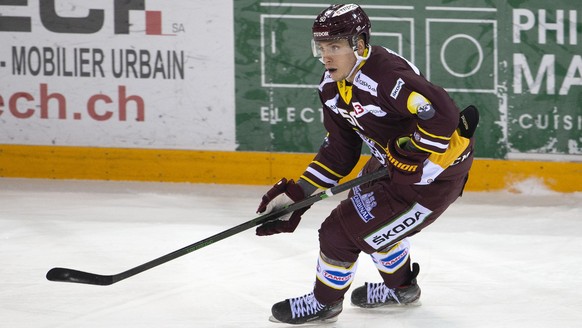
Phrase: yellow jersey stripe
(339, 176)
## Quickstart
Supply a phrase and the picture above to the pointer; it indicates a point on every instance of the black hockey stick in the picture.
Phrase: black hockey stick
(81, 277)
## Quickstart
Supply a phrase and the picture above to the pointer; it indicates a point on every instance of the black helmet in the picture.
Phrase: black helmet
(344, 21)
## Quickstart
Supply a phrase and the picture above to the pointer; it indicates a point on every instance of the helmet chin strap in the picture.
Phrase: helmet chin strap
(360, 59)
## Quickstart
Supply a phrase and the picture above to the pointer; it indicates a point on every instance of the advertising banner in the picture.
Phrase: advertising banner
(117, 73)
(519, 62)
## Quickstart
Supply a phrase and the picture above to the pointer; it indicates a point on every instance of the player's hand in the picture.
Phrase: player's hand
(405, 165)
(282, 194)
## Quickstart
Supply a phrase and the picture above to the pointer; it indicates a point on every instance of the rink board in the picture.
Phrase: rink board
(247, 168)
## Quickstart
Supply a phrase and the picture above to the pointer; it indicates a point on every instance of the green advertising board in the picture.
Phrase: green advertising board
(518, 61)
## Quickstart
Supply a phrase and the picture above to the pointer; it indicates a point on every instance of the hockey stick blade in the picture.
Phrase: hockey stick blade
(82, 277)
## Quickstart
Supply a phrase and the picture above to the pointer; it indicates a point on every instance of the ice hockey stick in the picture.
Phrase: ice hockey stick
(81, 277)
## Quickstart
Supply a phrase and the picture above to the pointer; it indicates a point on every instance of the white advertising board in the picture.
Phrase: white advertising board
(117, 73)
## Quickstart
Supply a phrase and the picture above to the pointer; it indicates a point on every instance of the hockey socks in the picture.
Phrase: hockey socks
(324, 304)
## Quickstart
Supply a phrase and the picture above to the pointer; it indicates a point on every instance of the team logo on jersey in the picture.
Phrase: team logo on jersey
(364, 204)
(397, 88)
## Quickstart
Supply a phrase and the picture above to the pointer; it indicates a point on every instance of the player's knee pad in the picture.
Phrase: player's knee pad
(335, 274)
(394, 258)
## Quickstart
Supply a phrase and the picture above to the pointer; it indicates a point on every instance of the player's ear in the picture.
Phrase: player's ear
(361, 46)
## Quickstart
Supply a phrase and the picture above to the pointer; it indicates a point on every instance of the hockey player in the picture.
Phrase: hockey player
(372, 95)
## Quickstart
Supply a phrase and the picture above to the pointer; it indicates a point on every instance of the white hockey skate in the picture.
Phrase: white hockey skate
(373, 295)
(305, 309)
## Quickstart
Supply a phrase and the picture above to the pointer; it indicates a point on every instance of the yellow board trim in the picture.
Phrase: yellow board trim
(248, 168)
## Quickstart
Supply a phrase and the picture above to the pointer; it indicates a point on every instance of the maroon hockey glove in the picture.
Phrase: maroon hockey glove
(283, 193)
(405, 166)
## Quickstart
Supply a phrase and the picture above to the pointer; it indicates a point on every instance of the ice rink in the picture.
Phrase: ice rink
(503, 259)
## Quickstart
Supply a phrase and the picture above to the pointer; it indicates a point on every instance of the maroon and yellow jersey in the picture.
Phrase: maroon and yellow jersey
(388, 99)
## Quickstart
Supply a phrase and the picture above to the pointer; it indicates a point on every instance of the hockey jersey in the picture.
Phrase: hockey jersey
(388, 99)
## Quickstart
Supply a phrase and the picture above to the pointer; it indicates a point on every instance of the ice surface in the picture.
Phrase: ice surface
(503, 259)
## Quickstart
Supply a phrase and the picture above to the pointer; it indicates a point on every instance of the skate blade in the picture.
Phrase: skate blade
(389, 306)
(313, 322)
